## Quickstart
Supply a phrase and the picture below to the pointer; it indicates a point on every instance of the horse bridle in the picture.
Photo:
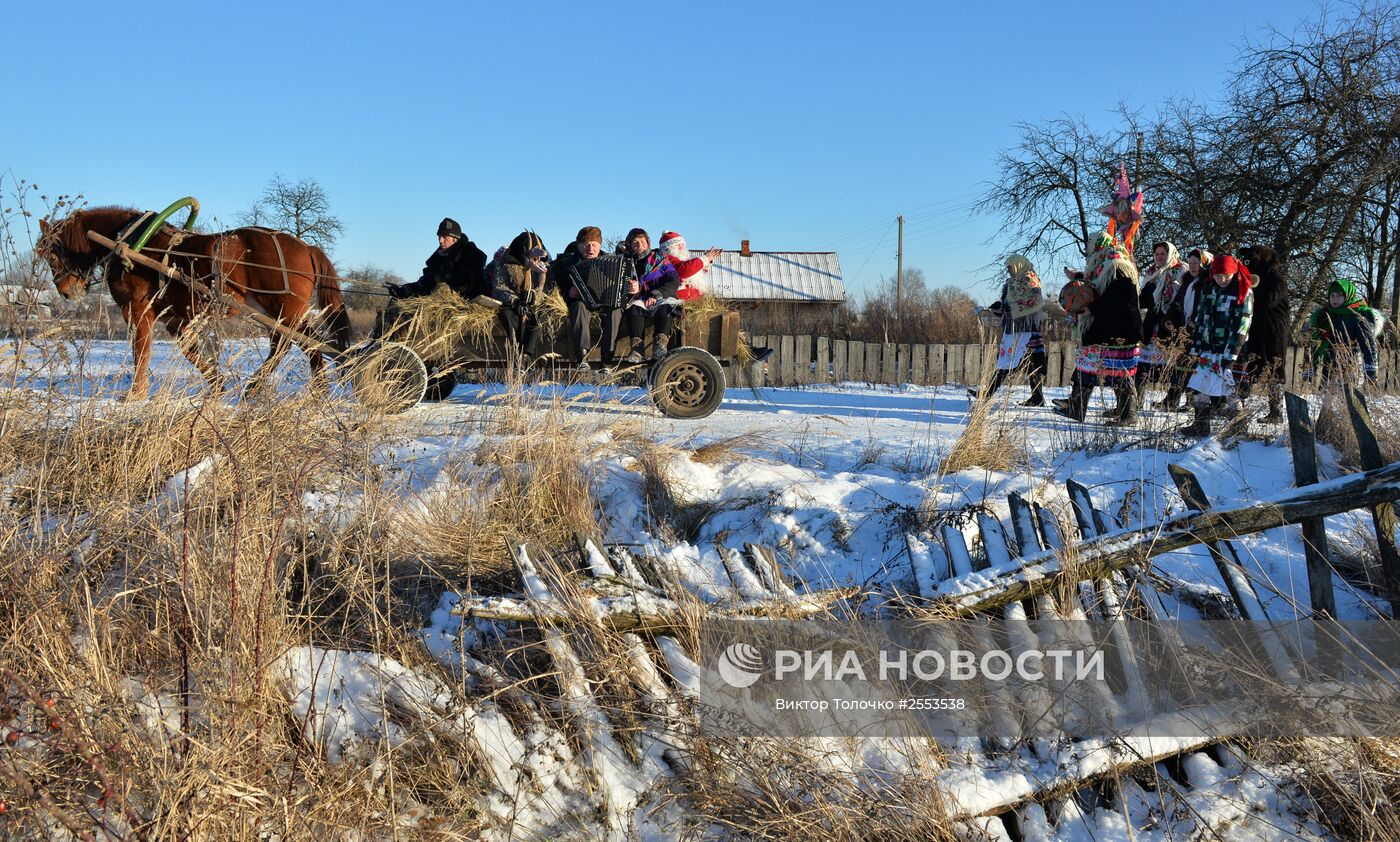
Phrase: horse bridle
(87, 276)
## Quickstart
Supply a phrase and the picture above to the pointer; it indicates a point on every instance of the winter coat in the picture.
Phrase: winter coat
(1117, 320)
(1221, 321)
(1268, 336)
(1188, 292)
(1353, 325)
(510, 271)
(691, 273)
(560, 276)
(656, 275)
(462, 267)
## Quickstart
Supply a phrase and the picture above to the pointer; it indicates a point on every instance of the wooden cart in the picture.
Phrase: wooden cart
(688, 381)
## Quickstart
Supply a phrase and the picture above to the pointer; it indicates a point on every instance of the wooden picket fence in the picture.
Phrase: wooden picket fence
(808, 360)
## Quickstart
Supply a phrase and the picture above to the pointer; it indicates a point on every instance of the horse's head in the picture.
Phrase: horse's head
(69, 276)
(71, 256)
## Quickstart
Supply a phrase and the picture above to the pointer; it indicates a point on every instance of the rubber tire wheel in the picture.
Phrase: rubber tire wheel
(388, 376)
(440, 385)
(686, 383)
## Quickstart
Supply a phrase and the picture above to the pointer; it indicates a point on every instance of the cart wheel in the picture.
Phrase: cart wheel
(440, 385)
(686, 383)
(388, 376)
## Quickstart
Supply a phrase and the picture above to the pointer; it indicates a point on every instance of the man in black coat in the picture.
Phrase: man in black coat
(1267, 347)
(457, 263)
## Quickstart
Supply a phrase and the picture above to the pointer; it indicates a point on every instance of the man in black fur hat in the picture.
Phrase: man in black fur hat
(457, 263)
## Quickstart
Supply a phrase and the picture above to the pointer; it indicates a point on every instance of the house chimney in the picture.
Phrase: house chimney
(744, 249)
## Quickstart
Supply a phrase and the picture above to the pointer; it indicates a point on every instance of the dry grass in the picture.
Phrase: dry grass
(1333, 424)
(529, 484)
(988, 440)
(433, 325)
(1354, 784)
(761, 788)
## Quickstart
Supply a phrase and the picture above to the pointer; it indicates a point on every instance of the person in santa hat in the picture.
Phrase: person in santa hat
(690, 269)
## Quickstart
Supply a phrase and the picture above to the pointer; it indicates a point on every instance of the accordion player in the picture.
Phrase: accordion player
(602, 281)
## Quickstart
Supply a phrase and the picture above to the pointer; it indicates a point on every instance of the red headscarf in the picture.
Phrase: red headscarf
(1226, 264)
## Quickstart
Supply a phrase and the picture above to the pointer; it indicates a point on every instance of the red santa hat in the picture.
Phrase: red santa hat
(669, 239)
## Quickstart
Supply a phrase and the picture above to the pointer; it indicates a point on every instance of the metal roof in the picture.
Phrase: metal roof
(813, 276)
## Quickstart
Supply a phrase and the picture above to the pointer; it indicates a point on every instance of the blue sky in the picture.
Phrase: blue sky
(800, 126)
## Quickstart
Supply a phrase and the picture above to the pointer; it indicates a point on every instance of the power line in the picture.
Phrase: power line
(872, 251)
(940, 207)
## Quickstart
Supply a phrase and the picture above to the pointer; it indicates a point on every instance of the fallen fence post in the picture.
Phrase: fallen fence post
(1383, 515)
(1232, 573)
(1303, 440)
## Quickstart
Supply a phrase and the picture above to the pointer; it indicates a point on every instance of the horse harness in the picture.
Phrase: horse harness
(219, 259)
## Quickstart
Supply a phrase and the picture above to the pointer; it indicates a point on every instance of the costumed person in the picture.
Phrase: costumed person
(691, 270)
(654, 297)
(1159, 334)
(457, 262)
(1021, 309)
(564, 274)
(1344, 327)
(1107, 318)
(518, 282)
(1178, 319)
(1268, 337)
(1220, 326)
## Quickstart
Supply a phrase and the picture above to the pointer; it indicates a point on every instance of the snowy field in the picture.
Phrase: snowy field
(836, 475)
(836, 478)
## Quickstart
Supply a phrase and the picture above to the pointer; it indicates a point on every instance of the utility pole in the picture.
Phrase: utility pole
(899, 274)
(1137, 166)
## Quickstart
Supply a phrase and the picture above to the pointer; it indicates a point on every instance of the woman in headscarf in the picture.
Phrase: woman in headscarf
(1022, 310)
(517, 281)
(1347, 325)
(1178, 318)
(1110, 330)
(1159, 288)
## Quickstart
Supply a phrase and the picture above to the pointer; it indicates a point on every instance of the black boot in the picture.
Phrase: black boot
(1038, 366)
(1078, 403)
(1201, 426)
(1127, 403)
(658, 346)
(636, 355)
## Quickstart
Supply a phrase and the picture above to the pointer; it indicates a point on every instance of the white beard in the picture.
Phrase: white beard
(678, 251)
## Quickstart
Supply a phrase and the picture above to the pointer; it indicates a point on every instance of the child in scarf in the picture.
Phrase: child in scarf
(1346, 325)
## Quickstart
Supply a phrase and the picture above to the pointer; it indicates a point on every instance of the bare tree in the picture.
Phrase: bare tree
(1315, 117)
(927, 315)
(364, 287)
(1302, 155)
(301, 208)
(1051, 184)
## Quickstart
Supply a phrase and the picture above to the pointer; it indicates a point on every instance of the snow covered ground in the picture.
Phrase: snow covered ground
(835, 477)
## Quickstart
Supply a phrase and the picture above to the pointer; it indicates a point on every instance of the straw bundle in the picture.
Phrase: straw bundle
(434, 324)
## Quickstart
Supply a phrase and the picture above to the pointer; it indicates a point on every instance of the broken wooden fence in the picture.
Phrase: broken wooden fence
(1091, 569)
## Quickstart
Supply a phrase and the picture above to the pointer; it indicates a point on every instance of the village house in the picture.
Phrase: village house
(791, 292)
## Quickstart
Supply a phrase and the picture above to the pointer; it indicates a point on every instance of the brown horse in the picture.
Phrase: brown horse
(272, 272)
